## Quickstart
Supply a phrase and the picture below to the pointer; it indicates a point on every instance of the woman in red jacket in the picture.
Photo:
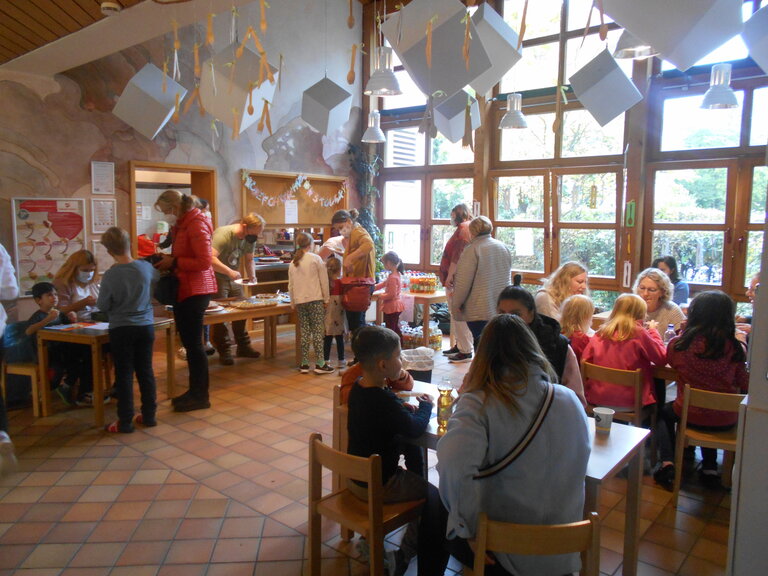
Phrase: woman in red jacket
(190, 262)
(706, 356)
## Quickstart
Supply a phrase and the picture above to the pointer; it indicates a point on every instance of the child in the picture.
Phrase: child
(62, 357)
(376, 419)
(126, 297)
(623, 343)
(335, 319)
(308, 286)
(392, 304)
(576, 322)
(706, 356)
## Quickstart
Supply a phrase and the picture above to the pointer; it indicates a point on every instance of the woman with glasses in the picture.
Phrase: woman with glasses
(655, 287)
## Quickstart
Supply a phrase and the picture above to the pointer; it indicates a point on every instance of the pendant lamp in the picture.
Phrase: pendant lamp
(383, 81)
(631, 47)
(720, 94)
(514, 117)
(373, 134)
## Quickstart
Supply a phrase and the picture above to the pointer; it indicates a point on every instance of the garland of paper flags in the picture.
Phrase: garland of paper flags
(301, 183)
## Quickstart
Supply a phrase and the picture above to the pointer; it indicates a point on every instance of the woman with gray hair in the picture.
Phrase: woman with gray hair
(483, 271)
(655, 287)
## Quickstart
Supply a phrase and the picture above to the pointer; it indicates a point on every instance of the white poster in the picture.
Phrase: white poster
(291, 211)
(524, 242)
(102, 177)
(103, 214)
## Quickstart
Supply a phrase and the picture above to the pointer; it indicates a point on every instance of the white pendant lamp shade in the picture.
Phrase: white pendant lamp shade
(631, 47)
(383, 81)
(373, 134)
(720, 94)
(514, 117)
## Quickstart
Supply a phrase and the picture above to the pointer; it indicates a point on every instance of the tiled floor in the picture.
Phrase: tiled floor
(223, 491)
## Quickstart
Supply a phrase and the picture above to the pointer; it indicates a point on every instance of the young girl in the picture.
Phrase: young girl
(623, 343)
(706, 356)
(576, 322)
(308, 286)
(392, 304)
(335, 321)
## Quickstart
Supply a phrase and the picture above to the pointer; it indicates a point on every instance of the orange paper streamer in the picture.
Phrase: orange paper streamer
(466, 140)
(603, 33)
(196, 53)
(467, 41)
(522, 25)
(250, 97)
(176, 41)
(209, 37)
(428, 47)
(176, 109)
(235, 124)
(165, 76)
(263, 4)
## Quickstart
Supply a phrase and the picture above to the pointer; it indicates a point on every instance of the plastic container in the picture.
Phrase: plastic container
(419, 363)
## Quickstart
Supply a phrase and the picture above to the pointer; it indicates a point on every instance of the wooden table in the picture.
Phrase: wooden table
(610, 453)
(96, 339)
(418, 298)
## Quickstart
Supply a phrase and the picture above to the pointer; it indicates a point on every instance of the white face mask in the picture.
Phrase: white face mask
(84, 277)
(170, 218)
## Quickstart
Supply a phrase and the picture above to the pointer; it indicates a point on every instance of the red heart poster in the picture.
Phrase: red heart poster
(66, 224)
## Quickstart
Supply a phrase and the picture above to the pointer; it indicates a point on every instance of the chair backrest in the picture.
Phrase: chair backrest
(695, 397)
(539, 540)
(629, 378)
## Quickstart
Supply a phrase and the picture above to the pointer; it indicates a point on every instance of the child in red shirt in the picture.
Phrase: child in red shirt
(576, 322)
(392, 303)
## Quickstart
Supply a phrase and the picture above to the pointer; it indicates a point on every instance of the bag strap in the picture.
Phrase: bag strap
(520, 447)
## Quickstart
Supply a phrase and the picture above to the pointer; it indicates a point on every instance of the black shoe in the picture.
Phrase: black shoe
(460, 358)
(226, 358)
(454, 350)
(247, 352)
(182, 398)
(665, 476)
(191, 404)
(710, 479)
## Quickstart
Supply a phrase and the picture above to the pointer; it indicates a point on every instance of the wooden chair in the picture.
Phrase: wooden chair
(720, 440)
(23, 369)
(372, 519)
(538, 540)
(632, 379)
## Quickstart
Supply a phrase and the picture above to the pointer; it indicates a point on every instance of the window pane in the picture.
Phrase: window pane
(405, 239)
(402, 199)
(734, 49)
(537, 69)
(577, 56)
(754, 253)
(758, 135)
(583, 136)
(520, 198)
(542, 19)
(699, 254)
(603, 299)
(759, 186)
(440, 235)
(690, 196)
(527, 245)
(588, 197)
(537, 141)
(448, 192)
(411, 95)
(446, 152)
(685, 126)
(405, 147)
(596, 249)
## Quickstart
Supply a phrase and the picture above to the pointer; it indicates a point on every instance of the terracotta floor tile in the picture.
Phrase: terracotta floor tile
(236, 550)
(660, 556)
(138, 492)
(198, 528)
(113, 531)
(144, 553)
(82, 477)
(694, 566)
(98, 554)
(176, 492)
(281, 548)
(671, 538)
(168, 509)
(190, 551)
(127, 510)
(232, 569)
(103, 571)
(711, 551)
(63, 494)
(41, 479)
(183, 570)
(150, 477)
(25, 494)
(156, 529)
(242, 527)
(134, 571)
(70, 532)
(106, 493)
(47, 512)
(207, 508)
(50, 555)
(644, 569)
(290, 568)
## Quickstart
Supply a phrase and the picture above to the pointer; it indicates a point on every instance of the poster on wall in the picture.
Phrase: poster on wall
(46, 231)
(103, 214)
(102, 177)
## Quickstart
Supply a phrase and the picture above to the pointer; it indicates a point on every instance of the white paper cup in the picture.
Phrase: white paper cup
(603, 419)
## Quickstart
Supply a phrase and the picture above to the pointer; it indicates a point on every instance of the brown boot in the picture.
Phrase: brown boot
(247, 352)
(226, 358)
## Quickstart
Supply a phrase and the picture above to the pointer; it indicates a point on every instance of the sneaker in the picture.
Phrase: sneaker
(460, 358)
(181, 353)
(8, 462)
(209, 349)
(247, 352)
(304, 368)
(451, 351)
(324, 369)
(665, 476)
(86, 400)
(226, 358)
(190, 403)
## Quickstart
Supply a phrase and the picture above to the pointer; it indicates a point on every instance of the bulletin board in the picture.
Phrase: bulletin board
(288, 199)
(46, 231)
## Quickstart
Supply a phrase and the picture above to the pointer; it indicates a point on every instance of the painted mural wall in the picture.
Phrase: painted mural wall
(51, 129)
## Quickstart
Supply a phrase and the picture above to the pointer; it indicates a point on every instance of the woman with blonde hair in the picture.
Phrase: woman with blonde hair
(655, 287)
(190, 263)
(509, 384)
(76, 285)
(569, 279)
(623, 342)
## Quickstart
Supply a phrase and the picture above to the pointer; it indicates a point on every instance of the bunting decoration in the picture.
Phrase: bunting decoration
(301, 184)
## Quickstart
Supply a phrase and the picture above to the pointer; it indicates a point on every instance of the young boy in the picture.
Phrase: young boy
(126, 297)
(377, 420)
(62, 357)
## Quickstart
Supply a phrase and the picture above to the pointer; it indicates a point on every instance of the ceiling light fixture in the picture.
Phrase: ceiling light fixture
(373, 134)
(631, 47)
(720, 94)
(383, 81)
(514, 117)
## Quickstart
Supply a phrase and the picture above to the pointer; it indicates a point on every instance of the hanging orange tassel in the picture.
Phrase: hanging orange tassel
(176, 109)
(231, 76)
(235, 124)
(165, 76)
(522, 26)
(209, 37)
(176, 41)
(466, 140)
(467, 41)
(188, 104)
(251, 86)
(265, 118)
(428, 47)
(264, 6)
(196, 53)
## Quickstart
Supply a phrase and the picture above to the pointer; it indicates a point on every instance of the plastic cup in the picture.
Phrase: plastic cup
(603, 419)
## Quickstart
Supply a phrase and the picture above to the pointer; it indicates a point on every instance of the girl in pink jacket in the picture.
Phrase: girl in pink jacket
(623, 343)
(391, 302)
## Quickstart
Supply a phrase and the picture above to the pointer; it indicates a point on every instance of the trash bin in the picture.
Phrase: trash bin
(419, 363)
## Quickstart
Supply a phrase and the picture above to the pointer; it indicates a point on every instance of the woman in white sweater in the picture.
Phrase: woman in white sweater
(308, 287)
(569, 279)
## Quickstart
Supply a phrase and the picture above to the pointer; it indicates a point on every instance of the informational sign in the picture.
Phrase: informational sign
(46, 231)
(103, 214)
(291, 211)
(102, 177)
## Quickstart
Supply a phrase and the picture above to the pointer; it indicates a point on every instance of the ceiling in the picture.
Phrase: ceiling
(26, 25)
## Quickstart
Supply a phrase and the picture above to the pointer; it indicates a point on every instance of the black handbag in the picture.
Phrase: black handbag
(167, 289)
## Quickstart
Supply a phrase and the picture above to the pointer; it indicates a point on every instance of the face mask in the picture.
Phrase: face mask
(84, 277)
(251, 238)
(170, 218)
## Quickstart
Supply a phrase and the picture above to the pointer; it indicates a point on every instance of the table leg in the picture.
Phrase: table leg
(632, 521)
(273, 332)
(425, 318)
(98, 384)
(268, 350)
(379, 313)
(44, 383)
(591, 499)
(170, 361)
